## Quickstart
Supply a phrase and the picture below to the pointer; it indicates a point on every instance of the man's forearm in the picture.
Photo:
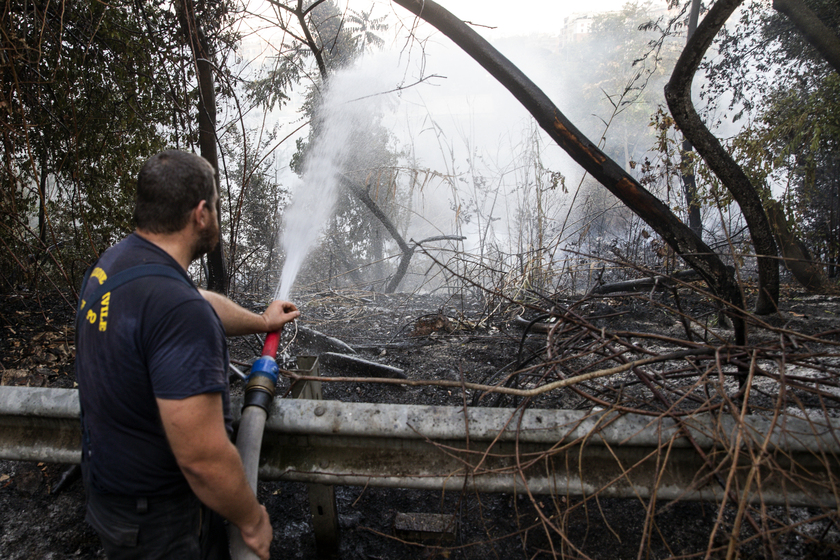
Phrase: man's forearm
(221, 485)
(239, 321)
(236, 319)
(196, 432)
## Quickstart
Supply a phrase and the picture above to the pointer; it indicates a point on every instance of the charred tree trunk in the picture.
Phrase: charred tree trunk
(832, 250)
(678, 96)
(692, 202)
(695, 221)
(42, 204)
(407, 252)
(649, 208)
(36, 258)
(217, 279)
(317, 51)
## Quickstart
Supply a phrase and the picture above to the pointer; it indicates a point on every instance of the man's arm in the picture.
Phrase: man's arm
(239, 321)
(196, 432)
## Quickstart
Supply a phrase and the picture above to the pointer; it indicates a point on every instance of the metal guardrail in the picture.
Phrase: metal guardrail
(40, 425)
(493, 450)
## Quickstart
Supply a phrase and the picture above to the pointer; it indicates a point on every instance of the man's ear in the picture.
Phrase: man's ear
(201, 214)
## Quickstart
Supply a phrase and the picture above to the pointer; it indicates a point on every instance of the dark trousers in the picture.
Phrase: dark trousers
(169, 527)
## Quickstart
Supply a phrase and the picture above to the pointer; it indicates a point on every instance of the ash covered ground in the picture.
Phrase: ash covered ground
(428, 337)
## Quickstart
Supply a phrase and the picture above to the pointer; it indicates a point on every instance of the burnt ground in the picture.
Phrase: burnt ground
(429, 337)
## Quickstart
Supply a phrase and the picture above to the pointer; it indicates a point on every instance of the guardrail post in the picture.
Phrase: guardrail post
(321, 496)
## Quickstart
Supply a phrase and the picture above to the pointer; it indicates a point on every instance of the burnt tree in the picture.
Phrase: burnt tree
(692, 200)
(217, 279)
(586, 153)
(678, 96)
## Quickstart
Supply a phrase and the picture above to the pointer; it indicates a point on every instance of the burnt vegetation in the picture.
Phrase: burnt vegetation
(600, 302)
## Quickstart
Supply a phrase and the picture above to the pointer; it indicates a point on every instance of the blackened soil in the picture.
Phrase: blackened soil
(428, 337)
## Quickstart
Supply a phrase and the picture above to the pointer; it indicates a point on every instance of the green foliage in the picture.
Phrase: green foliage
(793, 139)
(90, 91)
(271, 89)
(625, 84)
(796, 142)
(761, 54)
(356, 239)
(363, 29)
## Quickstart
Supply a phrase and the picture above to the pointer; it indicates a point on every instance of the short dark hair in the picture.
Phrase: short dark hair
(169, 185)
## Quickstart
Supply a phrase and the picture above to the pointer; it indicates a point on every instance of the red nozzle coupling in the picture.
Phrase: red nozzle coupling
(272, 341)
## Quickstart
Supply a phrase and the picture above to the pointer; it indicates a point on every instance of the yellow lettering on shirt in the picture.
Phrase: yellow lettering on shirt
(91, 317)
(99, 274)
(103, 312)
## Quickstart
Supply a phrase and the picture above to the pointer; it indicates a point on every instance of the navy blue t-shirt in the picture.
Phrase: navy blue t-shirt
(153, 337)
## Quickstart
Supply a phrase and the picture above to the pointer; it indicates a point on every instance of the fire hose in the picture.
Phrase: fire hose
(259, 393)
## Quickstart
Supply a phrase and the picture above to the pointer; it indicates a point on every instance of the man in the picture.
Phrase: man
(151, 366)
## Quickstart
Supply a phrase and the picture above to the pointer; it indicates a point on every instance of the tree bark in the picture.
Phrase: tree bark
(678, 96)
(42, 203)
(695, 221)
(815, 31)
(310, 41)
(649, 208)
(797, 257)
(217, 278)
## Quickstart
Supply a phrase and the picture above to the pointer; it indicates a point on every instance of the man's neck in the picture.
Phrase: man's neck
(177, 245)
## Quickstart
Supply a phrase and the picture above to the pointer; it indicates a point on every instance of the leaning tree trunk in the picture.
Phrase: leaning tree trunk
(649, 208)
(678, 96)
(796, 256)
(217, 279)
(815, 31)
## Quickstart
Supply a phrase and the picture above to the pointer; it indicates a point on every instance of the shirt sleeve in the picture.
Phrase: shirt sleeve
(186, 352)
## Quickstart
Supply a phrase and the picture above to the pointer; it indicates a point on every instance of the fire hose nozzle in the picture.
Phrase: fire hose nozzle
(262, 380)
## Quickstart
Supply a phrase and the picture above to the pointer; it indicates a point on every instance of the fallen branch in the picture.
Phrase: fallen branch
(317, 341)
(506, 390)
(646, 284)
(359, 365)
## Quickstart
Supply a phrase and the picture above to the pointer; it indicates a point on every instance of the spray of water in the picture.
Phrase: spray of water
(353, 97)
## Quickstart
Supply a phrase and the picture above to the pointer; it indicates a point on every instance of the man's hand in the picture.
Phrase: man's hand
(279, 313)
(258, 537)
(195, 429)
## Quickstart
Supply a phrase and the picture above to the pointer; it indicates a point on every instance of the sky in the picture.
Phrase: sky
(505, 17)
(526, 16)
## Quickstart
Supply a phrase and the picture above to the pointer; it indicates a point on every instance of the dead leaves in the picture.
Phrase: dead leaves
(36, 359)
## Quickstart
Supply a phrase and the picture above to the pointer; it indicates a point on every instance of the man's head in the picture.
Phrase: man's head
(174, 188)
(170, 185)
